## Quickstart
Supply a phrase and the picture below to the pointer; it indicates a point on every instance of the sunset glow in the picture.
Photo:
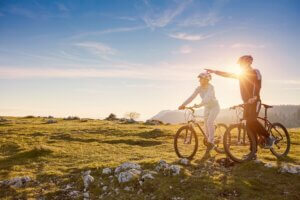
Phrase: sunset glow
(93, 59)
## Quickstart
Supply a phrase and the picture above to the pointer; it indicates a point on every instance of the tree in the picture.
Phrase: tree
(132, 115)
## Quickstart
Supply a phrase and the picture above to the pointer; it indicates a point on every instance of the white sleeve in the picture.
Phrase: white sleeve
(209, 96)
(192, 97)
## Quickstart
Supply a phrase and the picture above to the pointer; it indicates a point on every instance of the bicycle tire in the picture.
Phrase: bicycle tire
(176, 137)
(288, 141)
(252, 143)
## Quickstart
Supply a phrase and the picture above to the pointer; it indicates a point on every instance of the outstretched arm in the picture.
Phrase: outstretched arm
(224, 74)
(191, 98)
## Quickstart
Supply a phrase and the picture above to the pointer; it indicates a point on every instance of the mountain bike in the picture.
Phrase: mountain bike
(186, 139)
(241, 145)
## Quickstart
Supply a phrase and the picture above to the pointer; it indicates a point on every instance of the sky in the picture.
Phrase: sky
(92, 58)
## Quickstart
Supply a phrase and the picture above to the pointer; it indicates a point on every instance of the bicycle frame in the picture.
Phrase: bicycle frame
(267, 124)
(192, 123)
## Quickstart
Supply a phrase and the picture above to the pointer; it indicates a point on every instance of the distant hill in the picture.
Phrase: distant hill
(289, 115)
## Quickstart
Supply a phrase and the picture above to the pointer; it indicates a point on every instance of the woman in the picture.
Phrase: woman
(211, 107)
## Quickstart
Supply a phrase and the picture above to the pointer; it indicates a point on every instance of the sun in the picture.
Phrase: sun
(236, 70)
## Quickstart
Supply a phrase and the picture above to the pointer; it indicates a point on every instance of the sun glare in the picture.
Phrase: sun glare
(237, 70)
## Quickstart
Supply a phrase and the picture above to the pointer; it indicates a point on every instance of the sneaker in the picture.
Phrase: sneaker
(247, 155)
(269, 142)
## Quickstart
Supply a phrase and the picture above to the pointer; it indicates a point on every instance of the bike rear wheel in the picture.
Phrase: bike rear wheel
(282, 143)
(239, 143)
(186, 142)
(219, 134)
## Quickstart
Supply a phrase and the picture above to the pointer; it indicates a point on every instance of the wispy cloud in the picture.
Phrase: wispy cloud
(97, 48)
(127, 18)
(201, 20)
(62, 7)
(189, 37)
(155, 19)
(107, 31)
(247, 45)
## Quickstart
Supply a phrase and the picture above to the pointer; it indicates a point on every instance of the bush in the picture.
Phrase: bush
(153, 122)
(111, 117)
(72, 118)
(29, 116)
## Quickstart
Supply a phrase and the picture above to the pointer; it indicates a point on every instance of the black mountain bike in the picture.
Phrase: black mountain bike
(241, 145)
(186, 139)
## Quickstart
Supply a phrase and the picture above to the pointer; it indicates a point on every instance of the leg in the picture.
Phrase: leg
(206, 129)
(211, 123)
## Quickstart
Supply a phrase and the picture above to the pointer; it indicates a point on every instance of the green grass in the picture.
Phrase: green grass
(56, 154)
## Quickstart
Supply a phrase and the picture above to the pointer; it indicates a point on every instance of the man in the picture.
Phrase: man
(250, 84)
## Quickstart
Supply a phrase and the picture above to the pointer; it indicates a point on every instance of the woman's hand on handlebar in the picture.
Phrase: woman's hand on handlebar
(182, 107)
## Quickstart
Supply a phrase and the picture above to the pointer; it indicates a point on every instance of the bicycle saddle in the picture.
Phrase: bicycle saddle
(266, 106)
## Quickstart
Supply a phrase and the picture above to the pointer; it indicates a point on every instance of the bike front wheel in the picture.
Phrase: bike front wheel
(239, 143)
(186, 142)
(282, 143)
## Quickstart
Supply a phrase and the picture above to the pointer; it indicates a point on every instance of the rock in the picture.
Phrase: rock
(269, 165)
(258, 161)
(177, 198)
(106, 171)
(127, 176)
(184, 161)
(126, 166)
(289, 168)
(225, 162)
(128, 189)
(162, 165)
(86, 195)
(87, 179)
(74, 194)
(16, 182)
(68, 186)
(175, 170)
(104, 188)
(83, 120)
(117, 191)
(147, 176)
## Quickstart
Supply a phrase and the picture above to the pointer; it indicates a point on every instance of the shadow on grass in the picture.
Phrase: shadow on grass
(23, 158)
(142, 143)
(155, 133)
(67, 137)
(9, 148)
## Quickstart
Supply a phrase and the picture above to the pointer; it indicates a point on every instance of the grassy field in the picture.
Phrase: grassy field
(54, 155)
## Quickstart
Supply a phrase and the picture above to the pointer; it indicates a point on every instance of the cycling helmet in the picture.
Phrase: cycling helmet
(205, 75)
(245, 59)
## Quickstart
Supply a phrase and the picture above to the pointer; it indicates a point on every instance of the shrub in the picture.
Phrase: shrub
(111, 117)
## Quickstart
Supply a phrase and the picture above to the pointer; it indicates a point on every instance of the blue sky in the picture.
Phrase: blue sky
(91, 58)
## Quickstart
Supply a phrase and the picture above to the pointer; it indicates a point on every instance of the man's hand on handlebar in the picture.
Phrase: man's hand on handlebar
(252, 100)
